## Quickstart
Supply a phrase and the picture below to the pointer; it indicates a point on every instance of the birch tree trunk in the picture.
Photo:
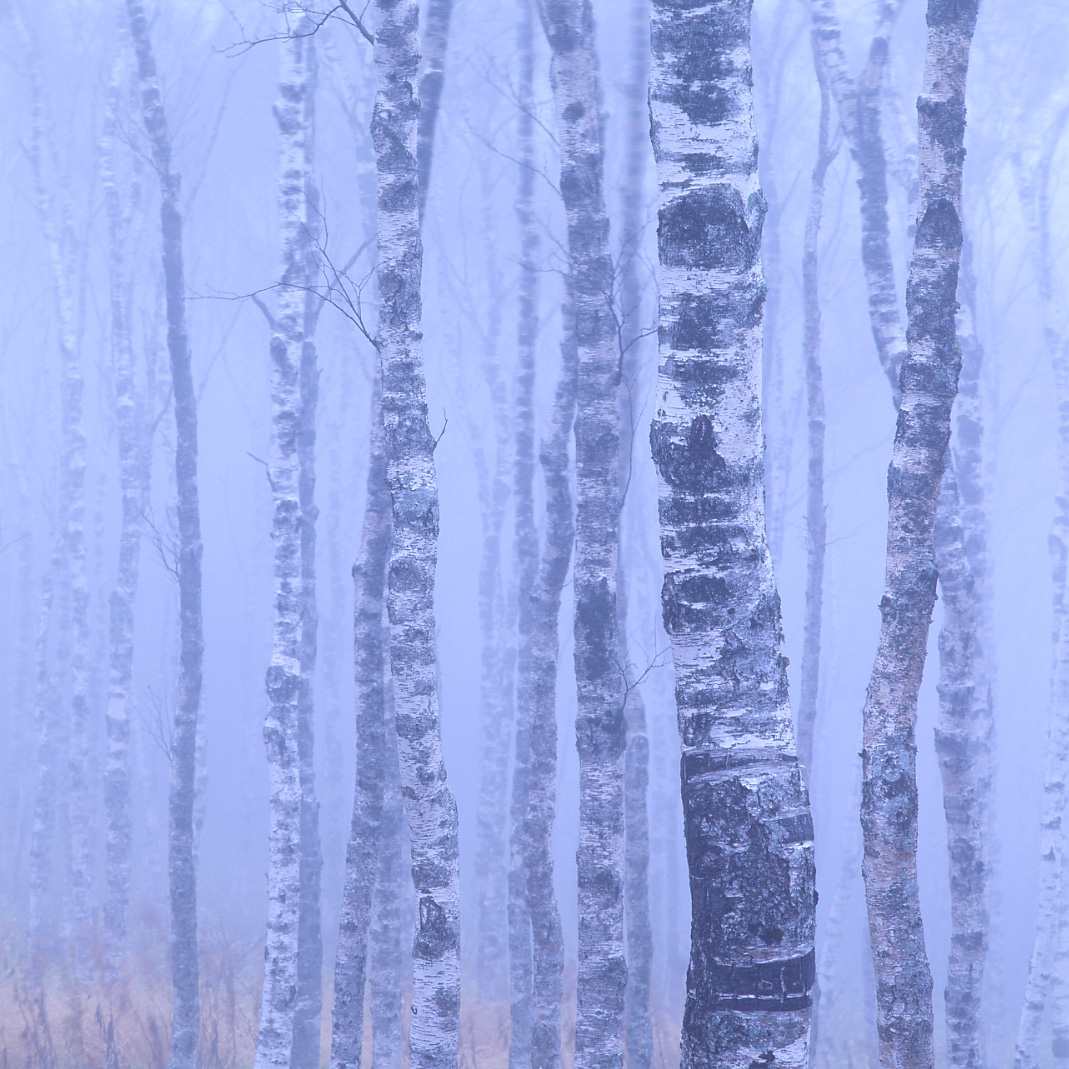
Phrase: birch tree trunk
(816, 525)
(859, 113)
(431, 81)
(520, 947)
(1033, 181)
(285, 678)
(961, 743)
(638, 1028)
(600, 732)
(306, 1020)
(747, 821)
(182, 876)
(134, 473)
(928, 386)
(367, 837)
(391, 968)
(58, 232)
(432, 813)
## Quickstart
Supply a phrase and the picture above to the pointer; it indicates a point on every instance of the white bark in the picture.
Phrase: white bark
(1033, 182)
(182, 876)
(747, 821)
(432, 813)
(285, 676)
(928, 386)
(600, 732)
(134, 472)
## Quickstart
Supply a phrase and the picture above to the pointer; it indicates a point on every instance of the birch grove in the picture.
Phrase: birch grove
(468, 600)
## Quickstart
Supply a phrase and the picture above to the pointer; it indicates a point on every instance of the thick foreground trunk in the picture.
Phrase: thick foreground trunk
(747, 821)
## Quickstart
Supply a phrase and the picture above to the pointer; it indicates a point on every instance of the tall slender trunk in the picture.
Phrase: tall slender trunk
(182, 873)
(747, 820)
(536, 700)
(58, 231)
(491, 851)
(599, 728)
(928, 386)
(285, 678)
(39, 929)
(431, 82)
(432, 813)
(816, 525)
(521, 962)
(369, 839)
(961, 743)
(309, 1009)
(134, 473)
(859, 113)
(638, 1027)
(1033, 182)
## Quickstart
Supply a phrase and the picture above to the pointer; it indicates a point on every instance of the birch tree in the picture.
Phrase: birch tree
(134, 471)
(285, 678)
(536, 702)
(520, 944)
(367, 837)
(928, 386)
(1033, 174)
(600, 733)
(409, 447)
(182, 875)
(747, 821)
(858, 102)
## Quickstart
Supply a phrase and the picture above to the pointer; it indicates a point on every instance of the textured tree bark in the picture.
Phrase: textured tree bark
(185, 1018)
(134, 472)
(928, 387)
(638, 1027)
(536, 701)
(600, 732)
(390, 967)
(431, 81)
(520, 945)
(747, 821)
(859, 113)
(285, 678)
(367, 837)
(431, 808)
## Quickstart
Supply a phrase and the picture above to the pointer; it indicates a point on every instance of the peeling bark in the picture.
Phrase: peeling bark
(747, 820)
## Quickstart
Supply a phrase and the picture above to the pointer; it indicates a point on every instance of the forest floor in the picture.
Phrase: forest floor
(124, 1023)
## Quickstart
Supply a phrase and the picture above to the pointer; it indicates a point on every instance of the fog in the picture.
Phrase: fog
(72, 89)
